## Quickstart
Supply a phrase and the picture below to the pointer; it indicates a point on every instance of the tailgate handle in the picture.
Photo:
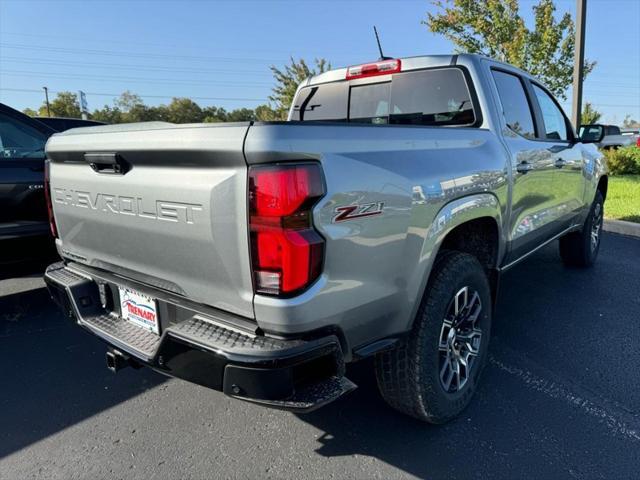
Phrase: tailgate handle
(112, 163)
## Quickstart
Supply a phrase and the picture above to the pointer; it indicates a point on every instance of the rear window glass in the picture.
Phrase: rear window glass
(323, 102)
(427, 97)
(370, 103)
(431, 97)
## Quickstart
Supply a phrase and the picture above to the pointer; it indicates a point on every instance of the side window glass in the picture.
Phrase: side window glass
(516, 110)
(19, 140)
(555, 124)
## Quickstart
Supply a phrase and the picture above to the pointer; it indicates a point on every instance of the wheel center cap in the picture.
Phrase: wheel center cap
(452, 341)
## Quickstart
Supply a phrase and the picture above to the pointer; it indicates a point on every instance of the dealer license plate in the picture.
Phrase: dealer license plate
(139, 309)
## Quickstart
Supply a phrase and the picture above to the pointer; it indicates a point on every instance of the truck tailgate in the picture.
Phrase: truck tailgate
(175, 217)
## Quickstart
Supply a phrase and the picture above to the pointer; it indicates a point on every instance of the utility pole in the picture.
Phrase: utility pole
(46, 96)
(578, 62)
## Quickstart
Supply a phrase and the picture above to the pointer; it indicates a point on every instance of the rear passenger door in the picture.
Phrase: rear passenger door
(535, 203)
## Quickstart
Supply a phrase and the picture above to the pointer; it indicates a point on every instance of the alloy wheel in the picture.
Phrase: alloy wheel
(460, 339)
(596, 227)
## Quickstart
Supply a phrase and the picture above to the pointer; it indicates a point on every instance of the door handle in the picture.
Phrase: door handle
(524, 167)
(560, 163)
(112, 163)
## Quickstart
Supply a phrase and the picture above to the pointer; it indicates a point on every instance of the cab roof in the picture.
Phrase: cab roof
(414, 63)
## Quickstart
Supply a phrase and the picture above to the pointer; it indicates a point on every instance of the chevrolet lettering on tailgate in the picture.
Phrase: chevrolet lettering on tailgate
(125, 205)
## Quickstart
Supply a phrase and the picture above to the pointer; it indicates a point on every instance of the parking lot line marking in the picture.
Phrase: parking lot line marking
(554, 390)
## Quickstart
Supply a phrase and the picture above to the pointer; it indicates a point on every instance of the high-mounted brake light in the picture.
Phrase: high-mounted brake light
(384, 67)
(286, 251)
(47, 197)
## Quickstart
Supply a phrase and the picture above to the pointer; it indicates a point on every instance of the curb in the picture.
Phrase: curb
(621, 227)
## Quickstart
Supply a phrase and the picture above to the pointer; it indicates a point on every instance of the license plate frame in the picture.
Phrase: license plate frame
(139, 309)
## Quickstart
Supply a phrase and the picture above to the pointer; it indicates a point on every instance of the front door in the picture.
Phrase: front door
(568, 160)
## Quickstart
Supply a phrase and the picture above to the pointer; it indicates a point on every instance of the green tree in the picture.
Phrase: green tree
(64, 105)
(184, 110)
(144, 113)
(265, 113)
(589, 115)
(107, 114)
(495, 28)
(241, 115)
(130, 108)
(287, 81)
(30, 111)
(127, 100)
(214, 114)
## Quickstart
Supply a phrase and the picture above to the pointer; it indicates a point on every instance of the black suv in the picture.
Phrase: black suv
(24, 224)
(23, 211)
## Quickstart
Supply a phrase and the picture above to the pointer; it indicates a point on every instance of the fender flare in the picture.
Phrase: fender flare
(452, 215)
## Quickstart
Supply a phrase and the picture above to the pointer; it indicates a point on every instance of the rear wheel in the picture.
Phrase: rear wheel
(580, 249)
(433, 373)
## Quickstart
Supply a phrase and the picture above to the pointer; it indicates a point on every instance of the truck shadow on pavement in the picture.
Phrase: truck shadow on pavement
(53, 374)
(547, 401)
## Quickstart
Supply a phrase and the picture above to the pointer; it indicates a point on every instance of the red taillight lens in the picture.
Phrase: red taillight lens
(286, 251)
(47, 197)
(384, 67)
(638, 142)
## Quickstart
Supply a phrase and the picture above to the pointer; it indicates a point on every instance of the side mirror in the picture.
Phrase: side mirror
(591, 133)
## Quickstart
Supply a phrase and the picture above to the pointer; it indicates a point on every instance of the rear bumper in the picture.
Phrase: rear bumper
(200, 346)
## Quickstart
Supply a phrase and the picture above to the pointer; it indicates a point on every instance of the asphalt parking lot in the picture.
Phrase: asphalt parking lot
(559, 397)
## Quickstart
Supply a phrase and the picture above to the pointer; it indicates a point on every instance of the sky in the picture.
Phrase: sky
(219, 52)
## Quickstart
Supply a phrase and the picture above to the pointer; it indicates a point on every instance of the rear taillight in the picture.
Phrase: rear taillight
(638, 142)
(383, 67)
(47, 196)
(286, 251)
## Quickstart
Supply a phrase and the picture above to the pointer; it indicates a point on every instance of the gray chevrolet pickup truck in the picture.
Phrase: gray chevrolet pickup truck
(259, 258)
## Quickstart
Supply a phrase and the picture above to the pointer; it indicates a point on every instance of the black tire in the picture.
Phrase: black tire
(577, 249)
(409, 375)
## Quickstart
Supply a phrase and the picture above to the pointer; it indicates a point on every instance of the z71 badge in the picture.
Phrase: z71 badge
(351, 212)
